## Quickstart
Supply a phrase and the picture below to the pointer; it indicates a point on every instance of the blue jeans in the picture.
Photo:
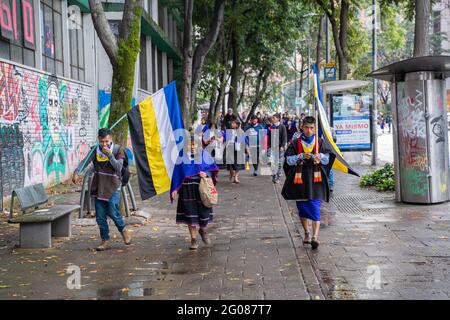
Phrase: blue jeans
(110, 208)
(331, 178)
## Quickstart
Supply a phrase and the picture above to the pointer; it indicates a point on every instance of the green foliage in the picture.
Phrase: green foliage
(382, 179)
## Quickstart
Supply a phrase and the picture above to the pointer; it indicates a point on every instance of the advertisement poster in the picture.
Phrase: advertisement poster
(351, 121)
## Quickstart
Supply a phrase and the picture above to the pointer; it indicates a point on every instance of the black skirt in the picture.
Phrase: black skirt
(190, 209)
(236, 166)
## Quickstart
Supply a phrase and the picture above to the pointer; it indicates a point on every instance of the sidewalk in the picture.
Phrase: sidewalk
(252, 256)
(365, 231)
(257, 251)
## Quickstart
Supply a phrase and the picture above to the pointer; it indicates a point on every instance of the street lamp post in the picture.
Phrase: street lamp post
(374, 93)
(327, 45)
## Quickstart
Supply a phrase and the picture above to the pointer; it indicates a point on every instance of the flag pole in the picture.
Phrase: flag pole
(316, 93)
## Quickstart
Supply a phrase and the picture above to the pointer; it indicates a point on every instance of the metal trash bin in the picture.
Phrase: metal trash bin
(420, 135)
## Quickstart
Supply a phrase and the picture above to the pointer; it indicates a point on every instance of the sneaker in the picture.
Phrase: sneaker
(314, 243)
(204, 236)
(126, 236)
(194, 244)
(105, 245)
(255, 174)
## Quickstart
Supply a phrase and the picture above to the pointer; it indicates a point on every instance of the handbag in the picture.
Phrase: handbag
(208, 192)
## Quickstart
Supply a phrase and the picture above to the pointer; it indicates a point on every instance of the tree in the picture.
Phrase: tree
(193, 59)
(122, 52)
(422, 27)
(340, 30)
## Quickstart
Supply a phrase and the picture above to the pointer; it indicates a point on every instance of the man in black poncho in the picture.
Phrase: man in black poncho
(307, 167)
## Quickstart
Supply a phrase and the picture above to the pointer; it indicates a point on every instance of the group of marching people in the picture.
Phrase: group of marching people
(301, 154)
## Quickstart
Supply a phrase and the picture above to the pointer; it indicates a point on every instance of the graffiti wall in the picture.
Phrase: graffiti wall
(412, 140)
(46, 127)
(422, 141)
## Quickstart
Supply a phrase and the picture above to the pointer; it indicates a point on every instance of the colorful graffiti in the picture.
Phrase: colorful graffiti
(16, 21)
(412, 137)
(46, 125)
(11, 153)
(417, 182)
(413, 131)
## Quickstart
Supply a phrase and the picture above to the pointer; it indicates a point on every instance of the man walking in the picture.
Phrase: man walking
(108, 160)
(307, 180)
(254, 131)
(277, 150)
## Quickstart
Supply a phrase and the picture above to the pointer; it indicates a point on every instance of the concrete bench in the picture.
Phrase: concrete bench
(38, 226)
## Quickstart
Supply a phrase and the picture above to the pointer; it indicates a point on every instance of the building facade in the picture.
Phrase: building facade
(55, 80)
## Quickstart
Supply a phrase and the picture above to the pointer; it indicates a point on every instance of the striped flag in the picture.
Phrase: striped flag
(153, 124)
(324, 130)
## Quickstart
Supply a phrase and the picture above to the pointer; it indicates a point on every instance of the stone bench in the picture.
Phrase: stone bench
(38, 226)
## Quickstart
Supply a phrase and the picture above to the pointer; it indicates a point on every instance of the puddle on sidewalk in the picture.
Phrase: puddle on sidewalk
(134, 290)
(338, 287)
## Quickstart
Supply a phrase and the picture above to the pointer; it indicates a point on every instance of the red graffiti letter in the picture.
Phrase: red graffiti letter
(6, 20)
(28, 22)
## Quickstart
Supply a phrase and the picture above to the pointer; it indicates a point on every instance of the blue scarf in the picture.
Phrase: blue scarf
(306, 139)
(190, 168)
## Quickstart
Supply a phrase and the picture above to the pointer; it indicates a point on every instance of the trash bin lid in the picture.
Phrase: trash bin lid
(427, 63)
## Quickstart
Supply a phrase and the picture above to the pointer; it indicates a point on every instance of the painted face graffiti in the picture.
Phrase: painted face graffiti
(53, 110)
(438, 124)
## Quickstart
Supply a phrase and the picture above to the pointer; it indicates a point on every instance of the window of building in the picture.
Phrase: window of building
(169, 33)
(77, 51)
(17, 36)
(155, 85)
(51, 31)
(143, 64)
(150, 7)
(169, 70)
(160, 70)
(436, 21)
(161, 17)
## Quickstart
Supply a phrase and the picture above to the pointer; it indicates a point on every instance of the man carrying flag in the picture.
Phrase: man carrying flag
(309, 159)
(307, 178)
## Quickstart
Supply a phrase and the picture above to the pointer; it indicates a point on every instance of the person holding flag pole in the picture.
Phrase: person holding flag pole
(309, 159)
(108, 160)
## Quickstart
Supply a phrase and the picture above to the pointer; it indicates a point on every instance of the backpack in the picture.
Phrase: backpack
(125, 173)
(208, 192)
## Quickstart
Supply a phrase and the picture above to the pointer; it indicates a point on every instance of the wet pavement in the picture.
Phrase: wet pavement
(257, 251)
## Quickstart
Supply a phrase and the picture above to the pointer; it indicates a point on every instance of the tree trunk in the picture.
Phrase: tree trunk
(339, 34)
(421, 30)
(212, 106)
(122, 53)
(302, 67)
(241, 97)
(343, 32)
(260, 80)
(319, 44)
(205, 45)
(187, 63)
(232, 95)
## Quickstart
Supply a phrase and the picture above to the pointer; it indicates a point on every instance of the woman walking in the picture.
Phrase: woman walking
(185, 184)
(234, 142)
